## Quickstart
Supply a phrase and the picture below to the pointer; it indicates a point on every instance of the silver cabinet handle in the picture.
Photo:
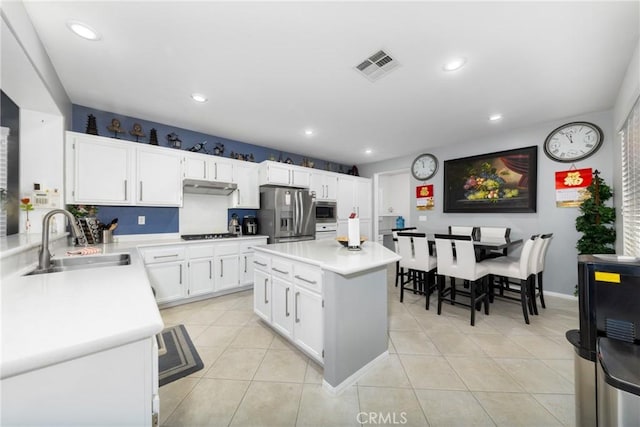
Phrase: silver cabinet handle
(140, 190)
(266, 301)
(164, 256)
(259, 263)
(312, 282)
(210, 269)
(286, 303)
(221, 269)
(181, 274)
(245, 263)
(125, 190)
(215, 170)
(296, 307)
(279, 271)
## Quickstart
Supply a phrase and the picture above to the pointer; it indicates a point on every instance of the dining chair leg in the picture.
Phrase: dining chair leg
(486, 295)
(401, 291)
(398, 273)
(440, 281)
(540, 290)
(472, 292)
(532, 294)
(452, 290)
(523, 300)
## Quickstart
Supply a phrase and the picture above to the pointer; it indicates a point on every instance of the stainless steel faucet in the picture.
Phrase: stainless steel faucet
(44, 256)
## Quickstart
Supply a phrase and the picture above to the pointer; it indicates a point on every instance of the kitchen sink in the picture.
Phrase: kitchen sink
(82, 262)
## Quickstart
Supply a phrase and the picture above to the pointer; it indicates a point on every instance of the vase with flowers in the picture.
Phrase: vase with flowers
(25, 205)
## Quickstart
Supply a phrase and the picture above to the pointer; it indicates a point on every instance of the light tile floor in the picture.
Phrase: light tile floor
(440, 370)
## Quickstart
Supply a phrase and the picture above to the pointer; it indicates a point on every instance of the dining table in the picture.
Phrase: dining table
(484, 247)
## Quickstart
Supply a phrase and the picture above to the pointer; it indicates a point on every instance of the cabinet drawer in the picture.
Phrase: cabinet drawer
(307, 276)
(281, 268)
(164, 254)
(262, 262)
(226, 249)
(200, 251)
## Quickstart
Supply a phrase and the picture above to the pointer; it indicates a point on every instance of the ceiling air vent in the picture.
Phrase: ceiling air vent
(377, 65)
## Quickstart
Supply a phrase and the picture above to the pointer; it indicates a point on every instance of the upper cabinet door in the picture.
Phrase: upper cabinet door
(220, 170)
(346, 195)
(300, 177)
(247, 195)
(195, 166)
(363, 198)
(102, 172)
(159, 179)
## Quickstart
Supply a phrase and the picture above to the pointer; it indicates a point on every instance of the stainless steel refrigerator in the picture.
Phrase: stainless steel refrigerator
(287, 214)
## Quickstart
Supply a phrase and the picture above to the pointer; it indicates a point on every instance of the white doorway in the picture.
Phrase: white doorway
(391, 199)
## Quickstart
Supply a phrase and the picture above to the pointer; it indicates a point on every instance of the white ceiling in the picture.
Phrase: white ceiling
(272, 69)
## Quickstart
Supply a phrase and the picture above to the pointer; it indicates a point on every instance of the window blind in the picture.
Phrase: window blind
(630, 135)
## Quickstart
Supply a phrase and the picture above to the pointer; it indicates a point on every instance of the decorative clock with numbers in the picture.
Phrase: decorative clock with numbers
(573, 141)
(424, 167)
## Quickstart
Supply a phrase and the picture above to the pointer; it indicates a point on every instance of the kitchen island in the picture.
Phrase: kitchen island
(329, 301)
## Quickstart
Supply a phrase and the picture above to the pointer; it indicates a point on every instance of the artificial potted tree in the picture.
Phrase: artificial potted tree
(596, 222)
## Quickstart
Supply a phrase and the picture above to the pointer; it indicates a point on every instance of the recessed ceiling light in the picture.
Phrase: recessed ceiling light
(495, 117)
(308, 132)
(198, 97)
(454, 64)
(368, 151)
(83, 30)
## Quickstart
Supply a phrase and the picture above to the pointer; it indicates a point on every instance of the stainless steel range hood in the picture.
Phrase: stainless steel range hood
(198, 186)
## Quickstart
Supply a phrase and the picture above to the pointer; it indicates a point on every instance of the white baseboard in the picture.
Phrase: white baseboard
(559, 295)
(352, 379)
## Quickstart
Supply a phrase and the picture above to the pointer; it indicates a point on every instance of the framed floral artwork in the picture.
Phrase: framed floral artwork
(505, 181)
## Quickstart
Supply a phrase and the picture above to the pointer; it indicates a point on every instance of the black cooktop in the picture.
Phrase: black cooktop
(207, 236)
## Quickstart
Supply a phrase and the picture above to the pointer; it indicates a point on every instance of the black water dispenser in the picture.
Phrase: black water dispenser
(607, 345)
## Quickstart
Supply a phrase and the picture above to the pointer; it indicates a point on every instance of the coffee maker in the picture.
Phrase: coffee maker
(249, 225)
(234, 225)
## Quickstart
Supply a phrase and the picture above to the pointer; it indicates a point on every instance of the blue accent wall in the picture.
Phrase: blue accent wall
(161, 219)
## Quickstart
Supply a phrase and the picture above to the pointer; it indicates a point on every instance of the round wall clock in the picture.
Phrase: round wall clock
(424, 167)
(573, 141)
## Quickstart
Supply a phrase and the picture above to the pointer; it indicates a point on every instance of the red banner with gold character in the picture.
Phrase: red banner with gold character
(424, 197)
(571, 187)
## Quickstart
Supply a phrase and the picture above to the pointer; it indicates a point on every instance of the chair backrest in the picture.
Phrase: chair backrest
(463, 230)
(493, 233)
(546, 239)
(405, 247)
(526, 267)
(394, 233)
(463, 266)
(534, 257)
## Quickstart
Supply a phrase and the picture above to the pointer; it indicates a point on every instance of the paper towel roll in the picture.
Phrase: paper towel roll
(354, 232)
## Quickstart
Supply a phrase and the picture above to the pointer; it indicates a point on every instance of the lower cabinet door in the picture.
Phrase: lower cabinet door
(282, 307)
(168, 280)
(262, 295)
(226, 272)
(308, 315)
(246, 268)
(200, 276)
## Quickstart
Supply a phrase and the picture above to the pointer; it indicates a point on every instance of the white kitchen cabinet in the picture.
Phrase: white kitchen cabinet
(274, 173)
(168, 280)
(282, 306)
(294, 294)
(102, 170)
(247, 195)
(308, 321)
(159, 177)
(362, 197)
(226, 266)
(325, 185)
(246, 260)
(207, 167)
(200, 267)
(354, 195)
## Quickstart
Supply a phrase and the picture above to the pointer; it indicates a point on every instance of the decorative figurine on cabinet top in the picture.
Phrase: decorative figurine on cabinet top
(115, 128)
(198, 147)
(92, 126)
(137, 131)
(153, 136)
(218, 150)
(174, 141)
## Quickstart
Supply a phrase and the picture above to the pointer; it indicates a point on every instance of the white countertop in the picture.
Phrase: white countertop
(331, 256)
(55, 317)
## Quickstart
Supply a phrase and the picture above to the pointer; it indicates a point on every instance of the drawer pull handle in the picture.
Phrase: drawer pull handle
(221, 269)
(312, 282)
(296, 307)
(286, 303)
(266, 301)
(210, 269)
(164, 256)
(181, 274)
(279, 271)
(259, 263)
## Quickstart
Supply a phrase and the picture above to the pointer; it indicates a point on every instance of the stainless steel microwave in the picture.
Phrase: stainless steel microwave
(326, 212)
